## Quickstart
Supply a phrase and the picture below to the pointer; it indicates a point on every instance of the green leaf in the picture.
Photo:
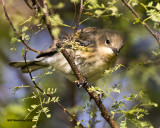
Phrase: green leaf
(48, 115)
(35, 118)
(34, 106)
(59, 6)
(137, 20)
(13, 49)
(48, 91)
(45, 109)
(111, 70)
(14, 40)
(75, 1)
(158, 6)
(24, 28)
(34, 126)
(48, 100)
(123, 124)
(150, 4)
(56, 32)
(102, 5)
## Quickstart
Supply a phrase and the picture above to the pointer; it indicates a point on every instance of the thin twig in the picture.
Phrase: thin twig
(49, 95)
(79, 17)
(74, 16)
(155, 35)
(38, 4)
(45, 18)
(46, 13)
(9, 21)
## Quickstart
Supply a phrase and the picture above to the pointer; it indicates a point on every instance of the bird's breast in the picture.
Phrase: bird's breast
(90, 65)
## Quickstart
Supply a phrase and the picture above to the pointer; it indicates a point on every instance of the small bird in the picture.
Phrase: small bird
(102, 47)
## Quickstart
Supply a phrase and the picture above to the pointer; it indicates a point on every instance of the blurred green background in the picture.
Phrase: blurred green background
(138, 49)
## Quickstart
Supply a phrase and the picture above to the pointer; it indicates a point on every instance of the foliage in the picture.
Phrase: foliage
(130, 108)
(152, 10)
(96, 10)
(41, 104)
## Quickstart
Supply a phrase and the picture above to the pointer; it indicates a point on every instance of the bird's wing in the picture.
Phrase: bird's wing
(86, 38)
(51, 53)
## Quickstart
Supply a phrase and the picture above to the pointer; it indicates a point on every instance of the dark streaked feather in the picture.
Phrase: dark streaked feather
(48, 53)
(84, 43)
(85, 40)
(33, 65)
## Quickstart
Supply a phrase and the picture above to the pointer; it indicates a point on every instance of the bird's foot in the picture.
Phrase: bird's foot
(81, 83)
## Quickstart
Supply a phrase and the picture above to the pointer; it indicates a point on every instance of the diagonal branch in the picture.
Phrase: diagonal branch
(155, 35)
(105, 114)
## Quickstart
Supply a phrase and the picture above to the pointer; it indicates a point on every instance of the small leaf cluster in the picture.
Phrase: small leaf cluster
(152, 11)
(131, 108)
(135, 114)
(47, 71)
(111, 70)
(41, 107)
(97, 10)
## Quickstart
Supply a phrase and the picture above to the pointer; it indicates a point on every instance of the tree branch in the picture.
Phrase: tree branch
(46, 13)
(87, 87)
(81, 79)
(79, 17)
(77, 73)
(155, 35)
(49, 95)
(45, 17)
(9, 21)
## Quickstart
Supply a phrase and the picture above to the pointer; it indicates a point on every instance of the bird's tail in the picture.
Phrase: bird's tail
(28, 65)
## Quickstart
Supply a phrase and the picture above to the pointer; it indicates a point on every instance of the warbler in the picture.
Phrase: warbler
(102, 48)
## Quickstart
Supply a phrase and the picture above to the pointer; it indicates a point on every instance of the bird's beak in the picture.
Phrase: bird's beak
(115, 51)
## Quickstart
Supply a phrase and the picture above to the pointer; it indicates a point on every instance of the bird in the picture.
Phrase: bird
(96, 50)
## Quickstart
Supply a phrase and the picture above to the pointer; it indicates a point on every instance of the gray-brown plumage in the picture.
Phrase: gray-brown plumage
(103, 46)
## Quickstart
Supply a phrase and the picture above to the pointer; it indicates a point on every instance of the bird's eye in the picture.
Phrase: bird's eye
(107, 41)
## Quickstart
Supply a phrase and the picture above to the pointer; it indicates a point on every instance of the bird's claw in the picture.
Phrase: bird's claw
(81, 83)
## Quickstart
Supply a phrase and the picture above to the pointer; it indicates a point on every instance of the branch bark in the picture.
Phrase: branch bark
(105, 114)
(46, 13)
(155, 35)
